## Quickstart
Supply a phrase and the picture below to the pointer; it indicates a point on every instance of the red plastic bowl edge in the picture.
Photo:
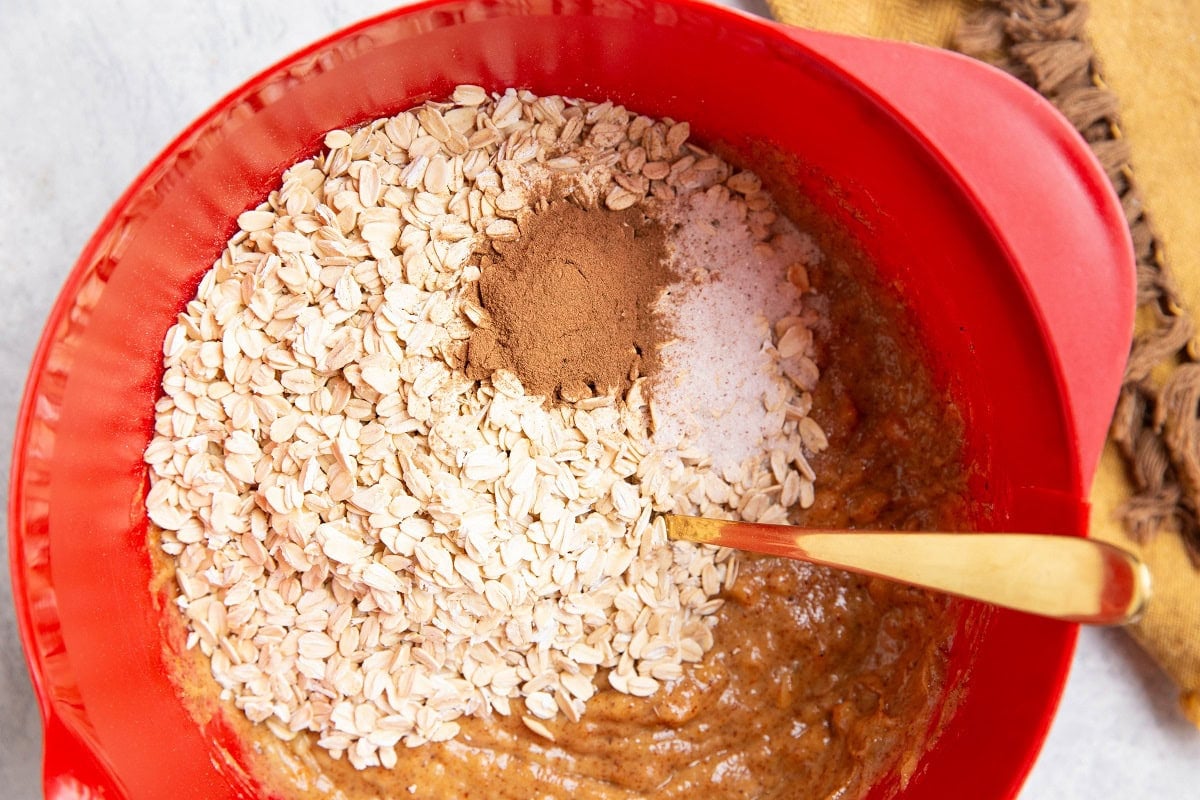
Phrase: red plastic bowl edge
(65, 300)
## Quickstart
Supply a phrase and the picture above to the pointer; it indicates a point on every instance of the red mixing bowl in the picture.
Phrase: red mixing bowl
(974, 198)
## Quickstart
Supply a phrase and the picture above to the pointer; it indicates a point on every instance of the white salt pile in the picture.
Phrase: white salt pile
(721, 370)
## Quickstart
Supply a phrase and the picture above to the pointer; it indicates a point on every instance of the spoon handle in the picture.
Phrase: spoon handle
(1062, 577)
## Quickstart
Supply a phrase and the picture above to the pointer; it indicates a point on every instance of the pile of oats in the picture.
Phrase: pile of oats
(371, 546)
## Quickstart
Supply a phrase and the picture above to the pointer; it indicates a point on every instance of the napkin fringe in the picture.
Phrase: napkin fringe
(1156, 427)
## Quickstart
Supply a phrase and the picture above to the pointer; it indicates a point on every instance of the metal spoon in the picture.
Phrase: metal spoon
(1062, 577)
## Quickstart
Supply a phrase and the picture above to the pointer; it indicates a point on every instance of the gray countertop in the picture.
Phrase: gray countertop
(90, 92)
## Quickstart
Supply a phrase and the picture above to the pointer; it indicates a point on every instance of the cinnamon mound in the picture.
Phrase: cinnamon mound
(570, 302)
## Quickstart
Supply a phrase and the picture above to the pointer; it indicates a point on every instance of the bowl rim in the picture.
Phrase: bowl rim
(32, 586)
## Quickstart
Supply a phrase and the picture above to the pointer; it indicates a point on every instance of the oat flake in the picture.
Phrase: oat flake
(369, 545)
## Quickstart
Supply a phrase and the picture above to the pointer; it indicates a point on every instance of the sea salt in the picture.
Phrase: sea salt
(719, 369)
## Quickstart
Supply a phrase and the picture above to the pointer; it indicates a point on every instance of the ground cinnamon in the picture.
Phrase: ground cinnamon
(570, 301)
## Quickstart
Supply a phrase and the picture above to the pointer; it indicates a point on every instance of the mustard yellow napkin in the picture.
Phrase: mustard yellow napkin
(1148, 55)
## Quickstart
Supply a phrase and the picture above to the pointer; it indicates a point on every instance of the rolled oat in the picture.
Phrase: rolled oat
(368, 544)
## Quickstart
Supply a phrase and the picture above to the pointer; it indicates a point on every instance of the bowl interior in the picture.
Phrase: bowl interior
(80, 481)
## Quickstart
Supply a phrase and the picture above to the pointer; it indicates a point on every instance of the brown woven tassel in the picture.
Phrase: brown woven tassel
(1157, 423)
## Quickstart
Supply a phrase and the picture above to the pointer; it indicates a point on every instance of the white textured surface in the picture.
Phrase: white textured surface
(90, 92)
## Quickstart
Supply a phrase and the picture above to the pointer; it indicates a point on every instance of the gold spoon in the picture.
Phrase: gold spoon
(1062, 577)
